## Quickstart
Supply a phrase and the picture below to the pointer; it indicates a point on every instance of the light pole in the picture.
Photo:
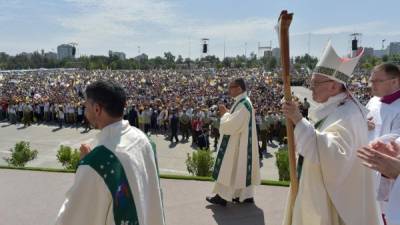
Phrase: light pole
(245, 50)
(139, 58)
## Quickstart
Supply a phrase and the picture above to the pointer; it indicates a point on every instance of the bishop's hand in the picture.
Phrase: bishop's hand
(291, 110)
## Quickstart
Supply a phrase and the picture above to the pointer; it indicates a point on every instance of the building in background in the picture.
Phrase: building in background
(276, 53)
(380, 53)
(119, 55)
(368, 52)
(394, 48)
(66, 51)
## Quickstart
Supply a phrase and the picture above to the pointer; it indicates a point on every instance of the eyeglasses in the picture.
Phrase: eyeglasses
(318, 83)
(379, 81)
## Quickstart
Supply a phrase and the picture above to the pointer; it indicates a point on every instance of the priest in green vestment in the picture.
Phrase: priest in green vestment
(117, 180)
(237, 167)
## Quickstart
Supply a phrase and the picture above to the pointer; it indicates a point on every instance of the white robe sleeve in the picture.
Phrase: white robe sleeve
(87, 202)
(334, 147)
(234, 123)
(153, 208)
(393, 209)
(304, 133)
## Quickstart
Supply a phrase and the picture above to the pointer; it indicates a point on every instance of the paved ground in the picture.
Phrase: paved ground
(47, 139)
(34, 198)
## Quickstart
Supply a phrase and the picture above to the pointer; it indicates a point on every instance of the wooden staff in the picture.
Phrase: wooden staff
(284, 22)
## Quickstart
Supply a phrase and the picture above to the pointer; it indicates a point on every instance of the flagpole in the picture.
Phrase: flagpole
(284, 22)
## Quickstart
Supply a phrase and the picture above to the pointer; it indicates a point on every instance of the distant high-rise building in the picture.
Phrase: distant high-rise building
(120, 55)
(142, 57)
(65, 51)
(380, 53)
(267, 53)
(394, 48)
(276, 53)
(368, 52)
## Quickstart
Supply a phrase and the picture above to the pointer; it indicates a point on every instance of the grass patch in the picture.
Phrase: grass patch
(185, 177)
(41, 169)
(275, 183)
(163, 176)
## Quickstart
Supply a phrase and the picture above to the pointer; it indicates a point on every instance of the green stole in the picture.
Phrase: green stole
(108, 166)
(301, 158)
(225, 141)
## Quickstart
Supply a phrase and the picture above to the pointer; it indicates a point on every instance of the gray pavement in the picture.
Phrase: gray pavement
(34, 198)
(47, 139)
(42, 137)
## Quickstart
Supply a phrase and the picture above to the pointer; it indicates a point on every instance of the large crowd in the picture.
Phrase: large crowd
(157, 99)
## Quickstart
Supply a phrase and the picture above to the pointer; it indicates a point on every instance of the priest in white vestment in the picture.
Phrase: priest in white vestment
(384, 116)
(334, 188)
(117, 180)
(237, 166)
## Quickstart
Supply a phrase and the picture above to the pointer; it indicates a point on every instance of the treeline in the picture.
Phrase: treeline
(168, 61)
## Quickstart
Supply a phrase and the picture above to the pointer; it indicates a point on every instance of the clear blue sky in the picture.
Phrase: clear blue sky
(178, 25)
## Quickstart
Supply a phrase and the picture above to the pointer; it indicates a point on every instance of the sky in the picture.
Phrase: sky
(157, 26)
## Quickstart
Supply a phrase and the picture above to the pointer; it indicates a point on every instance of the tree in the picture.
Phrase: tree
(156, 62)
(4, 58)
(37, 60)
(269, 62)
(179, 60)
(189, 62)
(306, 61)
(209, 60)
(394, 58)
(169, 60)
(369, 62)
(227, 62)
(240, 61)
(252, 62)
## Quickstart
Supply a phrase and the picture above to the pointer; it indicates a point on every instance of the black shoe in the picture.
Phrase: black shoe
(217, 200)
(247, 200)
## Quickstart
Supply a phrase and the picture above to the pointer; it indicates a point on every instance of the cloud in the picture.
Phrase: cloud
(233, 30)
(155, 25)
(370, 28)
(360, 28)
(97, 22)
(7, 7)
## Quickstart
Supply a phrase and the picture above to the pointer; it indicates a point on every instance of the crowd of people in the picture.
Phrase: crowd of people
(191, 102)
(159, 101)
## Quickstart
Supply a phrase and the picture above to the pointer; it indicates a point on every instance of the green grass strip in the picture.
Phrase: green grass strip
(163, 176)
(41, 169)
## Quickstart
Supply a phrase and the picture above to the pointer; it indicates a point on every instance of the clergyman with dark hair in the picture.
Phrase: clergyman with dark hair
(237, 168)
(117, 179)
